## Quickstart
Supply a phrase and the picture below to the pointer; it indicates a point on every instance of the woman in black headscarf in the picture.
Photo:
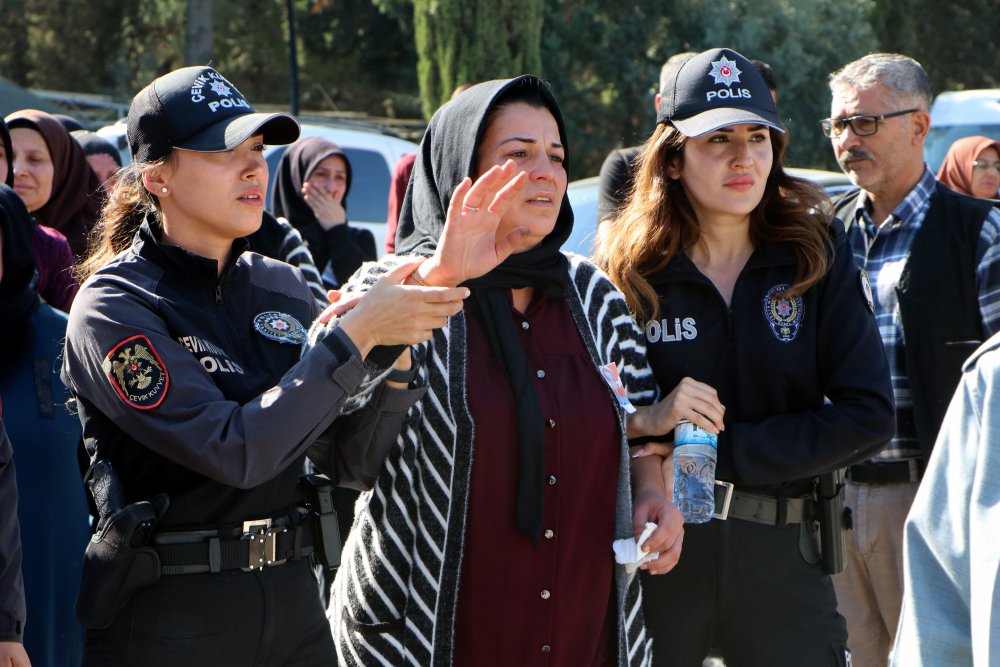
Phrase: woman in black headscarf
(314, 177)
(487, 539)
(53, 257)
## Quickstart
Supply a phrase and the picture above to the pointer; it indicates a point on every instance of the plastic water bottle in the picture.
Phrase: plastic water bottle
(695, 453)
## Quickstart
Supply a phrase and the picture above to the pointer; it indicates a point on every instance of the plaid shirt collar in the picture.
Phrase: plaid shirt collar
(904, 212)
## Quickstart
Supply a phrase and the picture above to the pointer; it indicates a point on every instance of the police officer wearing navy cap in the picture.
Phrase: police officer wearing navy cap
(183, 353)
(759, 328)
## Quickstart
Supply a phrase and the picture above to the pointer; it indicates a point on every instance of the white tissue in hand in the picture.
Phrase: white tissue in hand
(629, 551)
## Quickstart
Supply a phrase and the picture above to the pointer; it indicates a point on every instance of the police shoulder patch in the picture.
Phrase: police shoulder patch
(865, 286)
(281, 327)
(784, 315)
(137, 373)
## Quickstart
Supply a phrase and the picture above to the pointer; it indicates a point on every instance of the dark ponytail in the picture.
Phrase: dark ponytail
(126, 207)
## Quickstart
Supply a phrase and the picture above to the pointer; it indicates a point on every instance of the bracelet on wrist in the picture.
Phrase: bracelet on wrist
(417, 279)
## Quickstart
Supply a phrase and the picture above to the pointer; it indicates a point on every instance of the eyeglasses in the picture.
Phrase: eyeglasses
(984, 165)
(862, 126)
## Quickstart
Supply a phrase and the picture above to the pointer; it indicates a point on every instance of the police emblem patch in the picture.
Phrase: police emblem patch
(137, 373)
(281, 327)
(725, 71)
(865, 286)
(784, 315)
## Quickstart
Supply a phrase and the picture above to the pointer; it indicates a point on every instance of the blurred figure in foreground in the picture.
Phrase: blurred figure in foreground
(951, 599)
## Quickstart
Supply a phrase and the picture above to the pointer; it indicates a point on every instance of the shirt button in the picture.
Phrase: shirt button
(540, 374)
(552, 480)
(546, 595)
(525, 326)
(546, 648)
(549, 534)
(552, 423)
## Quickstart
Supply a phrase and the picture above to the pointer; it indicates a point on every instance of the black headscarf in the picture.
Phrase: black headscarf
(8, 146)
(94, 144)
(294, 169)
(17, 292)
(448, 153)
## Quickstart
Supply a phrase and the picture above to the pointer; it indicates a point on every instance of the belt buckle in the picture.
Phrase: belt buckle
(263, 544)
(723, 514)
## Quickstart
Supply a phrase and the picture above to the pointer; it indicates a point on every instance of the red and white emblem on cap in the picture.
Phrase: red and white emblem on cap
(725, 71)
(221, 89)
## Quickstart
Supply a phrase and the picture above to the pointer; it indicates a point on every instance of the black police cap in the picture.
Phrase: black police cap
(716, 89)
(197, 109)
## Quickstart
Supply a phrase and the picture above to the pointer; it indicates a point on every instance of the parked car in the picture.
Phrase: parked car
(583, 198)
(373, 154)
(963, 113)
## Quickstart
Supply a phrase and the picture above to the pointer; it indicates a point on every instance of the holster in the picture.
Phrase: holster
(117, 562)
(830, 501)
(317, 491)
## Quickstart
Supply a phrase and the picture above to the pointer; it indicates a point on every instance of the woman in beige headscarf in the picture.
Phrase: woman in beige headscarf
(972, 166)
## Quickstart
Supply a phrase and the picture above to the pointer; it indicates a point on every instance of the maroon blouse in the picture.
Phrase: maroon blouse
(551, 604)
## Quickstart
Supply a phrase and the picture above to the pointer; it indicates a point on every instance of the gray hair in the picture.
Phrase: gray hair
(900, 74)
(669, 69)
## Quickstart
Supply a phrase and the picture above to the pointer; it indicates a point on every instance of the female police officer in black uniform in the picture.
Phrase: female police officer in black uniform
(754, 314)
(183, 352)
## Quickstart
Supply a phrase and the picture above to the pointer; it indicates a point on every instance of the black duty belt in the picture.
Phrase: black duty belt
(263, 543)
(886, 472)
(733, 503)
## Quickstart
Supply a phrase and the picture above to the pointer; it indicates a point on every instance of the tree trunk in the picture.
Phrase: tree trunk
(198, 35)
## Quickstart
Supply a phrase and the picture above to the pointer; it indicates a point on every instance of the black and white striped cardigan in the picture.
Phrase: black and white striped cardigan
(394, 599)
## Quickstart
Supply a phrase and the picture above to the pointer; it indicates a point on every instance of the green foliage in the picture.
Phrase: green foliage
(466, 41)
(956, 42)
(602, 57)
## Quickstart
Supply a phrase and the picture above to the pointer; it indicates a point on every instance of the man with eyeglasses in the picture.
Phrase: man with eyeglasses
(934, 264)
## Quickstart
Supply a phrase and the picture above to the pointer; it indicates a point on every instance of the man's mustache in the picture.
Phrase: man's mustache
(854, 154)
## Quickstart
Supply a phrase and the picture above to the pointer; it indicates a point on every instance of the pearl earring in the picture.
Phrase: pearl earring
(163, 190)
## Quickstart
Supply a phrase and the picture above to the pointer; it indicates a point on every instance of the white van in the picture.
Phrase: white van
(958, 114)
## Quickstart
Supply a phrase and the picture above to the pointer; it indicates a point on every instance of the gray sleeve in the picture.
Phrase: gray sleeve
(191, 422)
(354, 448)
(12, 610)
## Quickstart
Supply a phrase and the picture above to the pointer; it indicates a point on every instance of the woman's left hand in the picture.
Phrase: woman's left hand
(668, 537)
(339, 304)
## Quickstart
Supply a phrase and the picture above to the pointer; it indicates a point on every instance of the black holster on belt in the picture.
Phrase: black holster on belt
(830, 503)
(117, 562)
(317, 490)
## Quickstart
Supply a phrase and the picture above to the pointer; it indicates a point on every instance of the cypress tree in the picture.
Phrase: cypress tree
(463, 41)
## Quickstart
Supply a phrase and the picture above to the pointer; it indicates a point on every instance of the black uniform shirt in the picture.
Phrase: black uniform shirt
(191, 384)
(773, 361)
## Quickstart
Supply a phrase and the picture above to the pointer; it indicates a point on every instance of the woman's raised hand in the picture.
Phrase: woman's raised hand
(391, 313)
(328, 211)
(469, 245)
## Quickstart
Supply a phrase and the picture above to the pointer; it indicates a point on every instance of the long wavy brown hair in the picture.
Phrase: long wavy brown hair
(657, 222)
(127, 205)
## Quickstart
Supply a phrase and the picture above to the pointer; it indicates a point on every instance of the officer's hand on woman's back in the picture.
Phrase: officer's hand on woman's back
(391, 313)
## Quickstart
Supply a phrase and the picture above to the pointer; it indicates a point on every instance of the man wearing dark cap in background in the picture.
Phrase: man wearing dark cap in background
(618, 170)
(933, 259)
(102, 156)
